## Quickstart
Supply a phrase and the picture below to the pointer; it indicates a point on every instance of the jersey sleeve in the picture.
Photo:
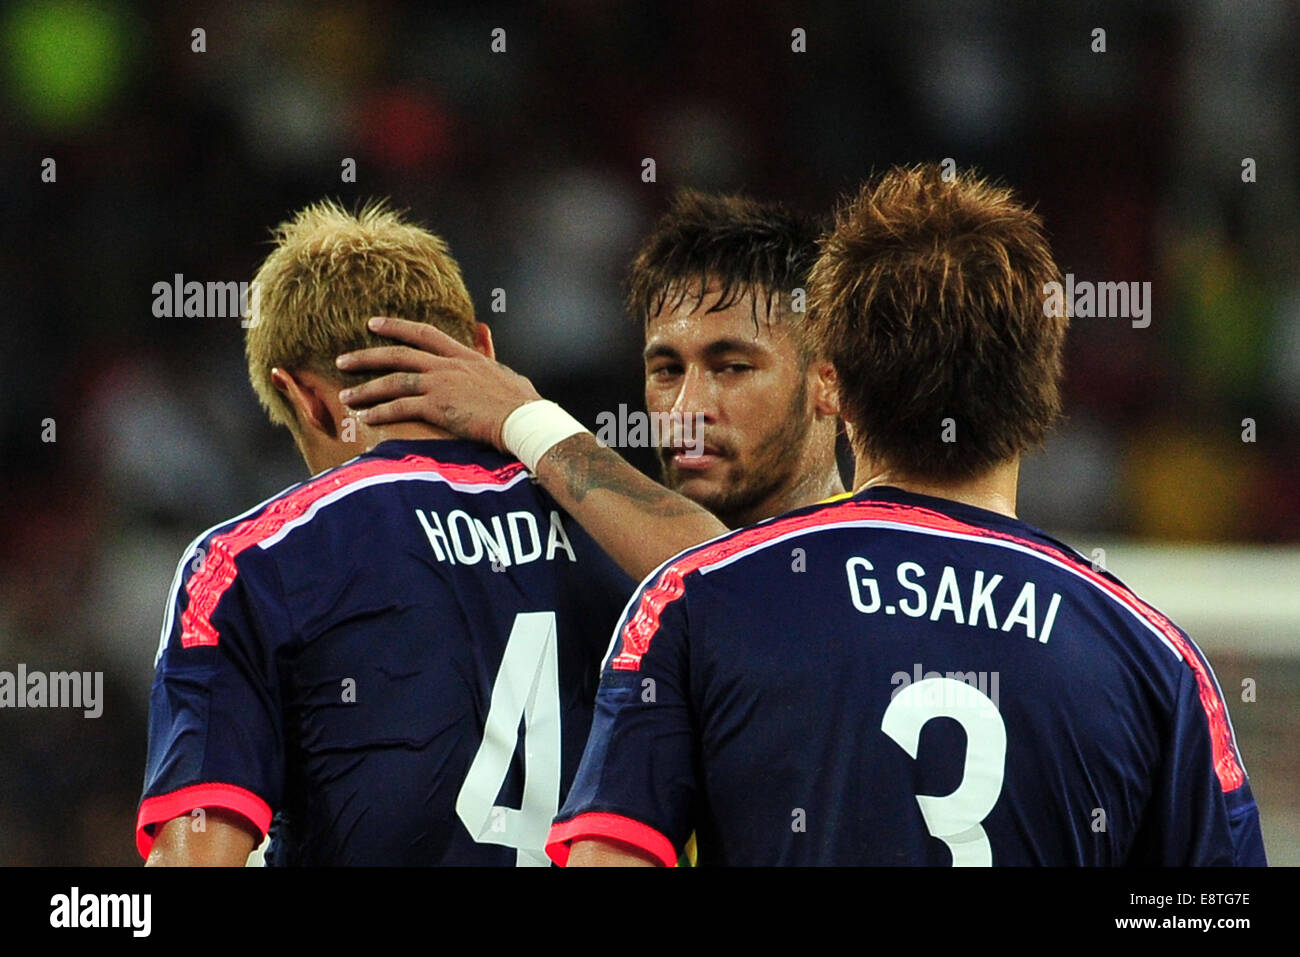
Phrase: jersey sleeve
(215, 734)
(1200, 814)
(636, 782)
(1243, 822)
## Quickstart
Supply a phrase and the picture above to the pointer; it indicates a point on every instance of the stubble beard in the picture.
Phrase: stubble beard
(772, 465)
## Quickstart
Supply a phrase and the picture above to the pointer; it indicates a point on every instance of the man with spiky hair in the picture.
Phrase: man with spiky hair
(718, 287)
(393, 662)
(944, 684)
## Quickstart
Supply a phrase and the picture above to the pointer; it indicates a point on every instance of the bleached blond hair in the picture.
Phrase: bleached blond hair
(330, 271)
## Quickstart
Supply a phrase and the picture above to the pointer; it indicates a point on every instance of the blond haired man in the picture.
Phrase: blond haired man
(393, 662)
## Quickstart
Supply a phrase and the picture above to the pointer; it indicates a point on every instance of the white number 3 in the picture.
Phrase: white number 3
(956, 818)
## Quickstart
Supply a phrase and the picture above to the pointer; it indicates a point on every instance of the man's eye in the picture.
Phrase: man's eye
(737, 367)
(663, 372)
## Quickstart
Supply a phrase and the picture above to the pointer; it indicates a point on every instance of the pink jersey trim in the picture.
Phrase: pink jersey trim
(615, 827)
(669, 586)
(165, 807)
(206, 586)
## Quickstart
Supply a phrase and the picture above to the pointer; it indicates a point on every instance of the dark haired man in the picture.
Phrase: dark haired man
(713, 286)
(943, 683)
(718, 287)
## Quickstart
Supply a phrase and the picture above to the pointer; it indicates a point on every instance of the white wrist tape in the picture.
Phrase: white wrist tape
(536, 427)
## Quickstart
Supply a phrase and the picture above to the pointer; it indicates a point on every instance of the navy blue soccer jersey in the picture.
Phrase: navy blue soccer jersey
(394, 662)
(898, 679)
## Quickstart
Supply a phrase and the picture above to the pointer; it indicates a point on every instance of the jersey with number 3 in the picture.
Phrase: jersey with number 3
(392, 663)
(898, 679)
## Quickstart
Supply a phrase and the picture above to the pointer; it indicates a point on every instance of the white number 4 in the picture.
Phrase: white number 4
(527, 685)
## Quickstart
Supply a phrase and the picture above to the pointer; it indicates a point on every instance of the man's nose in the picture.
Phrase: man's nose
(697, 395)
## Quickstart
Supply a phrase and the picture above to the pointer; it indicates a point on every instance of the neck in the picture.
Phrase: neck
(326, 452)
(812, 487)
(993, 491)
(403, 430)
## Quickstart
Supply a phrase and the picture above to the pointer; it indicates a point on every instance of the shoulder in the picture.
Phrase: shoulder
(299, 505)
(664, 594)
(745, 544)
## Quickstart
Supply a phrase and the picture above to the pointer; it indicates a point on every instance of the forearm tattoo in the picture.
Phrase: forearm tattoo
(586, 466)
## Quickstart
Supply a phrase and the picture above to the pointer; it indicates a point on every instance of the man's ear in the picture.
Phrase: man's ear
(483, 340)
(310, 406)
(825, 388)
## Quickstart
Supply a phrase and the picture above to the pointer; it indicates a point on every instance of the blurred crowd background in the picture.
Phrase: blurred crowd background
(529, 163)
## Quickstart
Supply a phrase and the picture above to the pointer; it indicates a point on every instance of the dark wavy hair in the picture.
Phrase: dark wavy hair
(735, 243)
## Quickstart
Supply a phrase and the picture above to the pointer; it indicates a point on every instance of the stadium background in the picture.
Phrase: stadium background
(529, 162)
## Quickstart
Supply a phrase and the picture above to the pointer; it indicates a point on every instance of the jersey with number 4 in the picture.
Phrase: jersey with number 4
(392, 663)
(899, 679)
